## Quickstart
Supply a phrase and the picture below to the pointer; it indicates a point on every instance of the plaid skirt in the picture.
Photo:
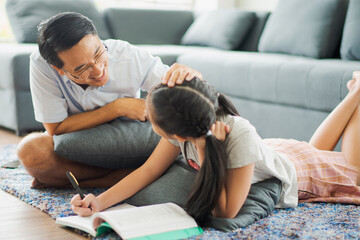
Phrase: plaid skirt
(323, 176)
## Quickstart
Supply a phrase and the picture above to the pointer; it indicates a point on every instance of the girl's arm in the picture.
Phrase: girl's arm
(235, 191)
(163, 156)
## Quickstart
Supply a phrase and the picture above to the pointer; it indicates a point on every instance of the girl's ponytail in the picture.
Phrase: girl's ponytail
(225, 106)
(208, 183)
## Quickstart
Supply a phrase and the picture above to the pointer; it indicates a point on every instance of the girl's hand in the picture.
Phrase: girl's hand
(220, 130)
(85, 207)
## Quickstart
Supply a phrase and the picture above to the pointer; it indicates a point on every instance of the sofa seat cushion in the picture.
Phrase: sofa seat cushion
(170, 53)
(306, 29)
(275, 78)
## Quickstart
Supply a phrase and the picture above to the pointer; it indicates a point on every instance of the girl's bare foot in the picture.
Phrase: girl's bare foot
(350, 84)
(36, 184)
(353, 86)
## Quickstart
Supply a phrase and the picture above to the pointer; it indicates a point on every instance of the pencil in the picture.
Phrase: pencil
(75, 184)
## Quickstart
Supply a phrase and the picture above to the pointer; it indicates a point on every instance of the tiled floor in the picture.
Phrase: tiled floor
(19, 220)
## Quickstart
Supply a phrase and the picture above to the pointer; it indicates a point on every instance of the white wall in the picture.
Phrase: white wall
(6, 34)
(262, 5)
(257, 5)
(205, 5)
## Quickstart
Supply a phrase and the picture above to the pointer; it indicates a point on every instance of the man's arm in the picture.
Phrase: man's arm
(132, 108)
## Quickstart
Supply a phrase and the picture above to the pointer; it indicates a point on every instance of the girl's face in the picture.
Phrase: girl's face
(155, 127)
(198, 142)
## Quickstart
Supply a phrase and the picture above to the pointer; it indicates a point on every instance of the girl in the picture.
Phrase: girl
(194, 119)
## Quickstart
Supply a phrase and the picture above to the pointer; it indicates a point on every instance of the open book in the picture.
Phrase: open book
(160, 221)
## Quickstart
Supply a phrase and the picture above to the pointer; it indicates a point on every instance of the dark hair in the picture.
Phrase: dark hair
(62, 32)
(189, 110)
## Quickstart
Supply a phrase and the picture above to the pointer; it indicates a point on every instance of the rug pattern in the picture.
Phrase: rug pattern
(307, 221)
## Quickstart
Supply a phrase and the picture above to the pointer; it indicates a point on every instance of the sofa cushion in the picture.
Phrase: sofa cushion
(224, 29)
(275, 78)
(307, 29)
(170, 53)
(251, 41)
(350, 44)
(148, 26)
(24, 16)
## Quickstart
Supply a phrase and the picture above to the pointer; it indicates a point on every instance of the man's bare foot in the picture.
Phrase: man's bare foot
(36, 184)
(107, 180)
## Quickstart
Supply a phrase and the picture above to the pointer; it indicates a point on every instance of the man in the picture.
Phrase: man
(79, 82)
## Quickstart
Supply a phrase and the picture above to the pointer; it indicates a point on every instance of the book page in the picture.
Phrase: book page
(85, 223)
(82, 223)
(147, 220)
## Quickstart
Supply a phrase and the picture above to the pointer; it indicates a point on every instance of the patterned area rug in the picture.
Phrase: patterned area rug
(308, 221)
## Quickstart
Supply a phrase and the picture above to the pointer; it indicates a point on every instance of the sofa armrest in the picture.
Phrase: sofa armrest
(14, 65)
(148, 26)
(15, 96)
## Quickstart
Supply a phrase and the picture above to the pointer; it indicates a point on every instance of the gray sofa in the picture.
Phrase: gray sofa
(285, 82)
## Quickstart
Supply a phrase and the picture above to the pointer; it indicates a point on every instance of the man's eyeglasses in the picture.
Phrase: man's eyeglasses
(89, 67)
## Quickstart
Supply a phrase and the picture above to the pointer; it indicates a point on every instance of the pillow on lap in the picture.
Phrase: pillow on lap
(175, 185)
(121, 143)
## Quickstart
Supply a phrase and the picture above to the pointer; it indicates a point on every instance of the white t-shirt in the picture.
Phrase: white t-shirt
(244, 147)
(56, 97)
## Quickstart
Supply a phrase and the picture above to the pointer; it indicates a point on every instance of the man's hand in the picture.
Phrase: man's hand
(220, 130)
(178, 73)
(132, 108)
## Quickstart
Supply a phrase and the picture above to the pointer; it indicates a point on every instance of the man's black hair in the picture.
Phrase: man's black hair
(62, 32)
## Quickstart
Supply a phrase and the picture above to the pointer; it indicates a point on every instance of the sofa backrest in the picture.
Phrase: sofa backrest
(251, 41)
(24, 16)
(311, 30)
(148, 26)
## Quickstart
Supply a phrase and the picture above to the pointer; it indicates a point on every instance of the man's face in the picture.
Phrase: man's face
(86, 62)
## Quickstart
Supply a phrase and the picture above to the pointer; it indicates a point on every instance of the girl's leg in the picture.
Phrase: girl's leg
(350, 145)
(329, 132)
